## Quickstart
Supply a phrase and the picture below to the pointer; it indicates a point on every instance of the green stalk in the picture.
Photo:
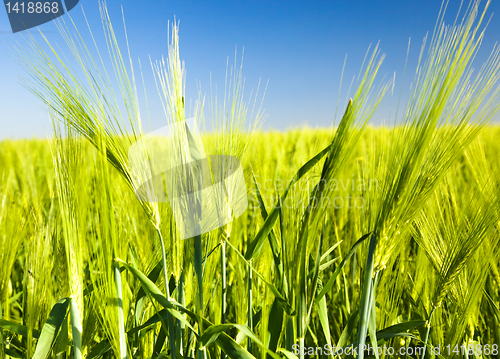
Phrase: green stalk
(77, 330)
(121, 324)
(170, 322)
(250, 316)
(2, 351)
(182, 300)
(302, 285)
(366, 298)
(290, 336)
(427, 332)
(224, 288)
(198, 268)
(4, 298)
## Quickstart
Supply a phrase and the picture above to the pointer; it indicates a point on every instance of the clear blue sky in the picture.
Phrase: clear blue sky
(299, 46)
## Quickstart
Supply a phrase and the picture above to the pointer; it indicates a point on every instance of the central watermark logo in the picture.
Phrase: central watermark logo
(340, 193)
(205, 192)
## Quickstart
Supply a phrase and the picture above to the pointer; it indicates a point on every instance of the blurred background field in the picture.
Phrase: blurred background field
(34, 270)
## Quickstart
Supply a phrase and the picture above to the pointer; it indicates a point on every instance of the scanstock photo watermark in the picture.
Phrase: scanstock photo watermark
(24, 15)
(342, 193)
(205, 191)
(471, 350)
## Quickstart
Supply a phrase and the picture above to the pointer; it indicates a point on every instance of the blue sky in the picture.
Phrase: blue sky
(298, 46)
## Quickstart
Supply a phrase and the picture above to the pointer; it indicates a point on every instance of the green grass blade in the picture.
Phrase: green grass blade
(2, 344)
(372, 324)
(140, 299)
(240, 337)
(288, 354)
(330, 250)
(212, 333)
(395, 331)
(121, 320)
(366, 298)
(14, 353)
(100, 349)
(22, 330)
(273, 241)
(62, 340)
(153, 290)
(281, 300)
(348, 329)
(51, 329)
(275, 325)
(315, 278)
(302, 288)
(198, 268)
(160, 341)
(76, 329)
(330, 282)
(323, 319)
(157, 317)
(225, 342)
(255, 246)
(398, 330)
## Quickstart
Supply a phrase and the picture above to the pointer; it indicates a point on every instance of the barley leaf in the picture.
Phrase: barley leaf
(323, 319)
(348, 329)
(281, 300)
(398, 330)
(160, 341)
(288, 354)
(22, 330)
(367, 296)
(100, 349)
(255, 246)
(225, 342)
(273, 241)
(157, 317)
(51, 328)
(211, 334)
(330, 282)
(275, 325)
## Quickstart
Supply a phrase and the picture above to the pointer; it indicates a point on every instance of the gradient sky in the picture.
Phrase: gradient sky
(298, 46)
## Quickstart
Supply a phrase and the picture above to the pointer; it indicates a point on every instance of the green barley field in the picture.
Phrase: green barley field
(358, 241)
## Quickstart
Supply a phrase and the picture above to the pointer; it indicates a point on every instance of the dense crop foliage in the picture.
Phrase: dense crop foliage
(461, 216)
(354, 236)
